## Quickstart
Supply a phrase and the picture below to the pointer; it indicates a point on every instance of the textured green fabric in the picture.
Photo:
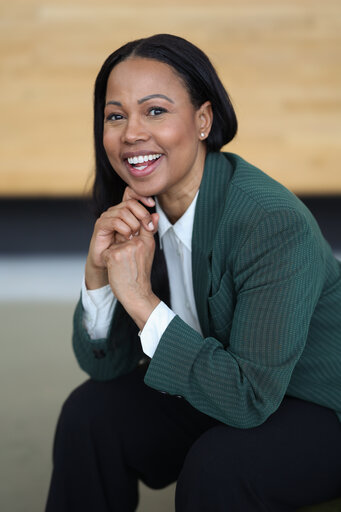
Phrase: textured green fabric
(268, 295)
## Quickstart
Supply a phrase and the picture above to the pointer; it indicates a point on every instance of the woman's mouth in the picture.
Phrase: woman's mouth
(142, 165)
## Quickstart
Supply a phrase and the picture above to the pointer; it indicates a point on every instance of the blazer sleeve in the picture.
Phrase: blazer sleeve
(278, 276)
(107, 358)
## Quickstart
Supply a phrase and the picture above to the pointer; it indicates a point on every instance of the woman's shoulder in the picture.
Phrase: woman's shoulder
(236, 197)
(253, 197)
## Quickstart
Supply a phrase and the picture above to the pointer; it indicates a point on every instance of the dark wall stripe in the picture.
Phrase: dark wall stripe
(59, 226)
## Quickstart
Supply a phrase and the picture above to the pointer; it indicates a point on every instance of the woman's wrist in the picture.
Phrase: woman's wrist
(95, 277)
(140, 309)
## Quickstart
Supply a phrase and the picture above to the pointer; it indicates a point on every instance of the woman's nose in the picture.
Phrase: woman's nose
(134, 131)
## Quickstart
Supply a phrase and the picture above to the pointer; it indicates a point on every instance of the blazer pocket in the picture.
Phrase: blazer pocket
(221, 306)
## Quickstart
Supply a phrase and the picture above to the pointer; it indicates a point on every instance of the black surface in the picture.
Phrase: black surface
(45, 226)
(64, 226)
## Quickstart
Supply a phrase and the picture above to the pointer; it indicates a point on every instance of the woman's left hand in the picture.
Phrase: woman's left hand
(129, 266)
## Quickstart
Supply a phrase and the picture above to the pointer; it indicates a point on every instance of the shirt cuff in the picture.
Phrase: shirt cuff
(98, 309)
(154, 328)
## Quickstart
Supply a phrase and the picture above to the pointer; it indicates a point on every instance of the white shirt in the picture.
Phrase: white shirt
(176, 242)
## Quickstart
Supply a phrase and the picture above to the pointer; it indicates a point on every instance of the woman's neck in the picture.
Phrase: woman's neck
(175, 201)
(174, 205)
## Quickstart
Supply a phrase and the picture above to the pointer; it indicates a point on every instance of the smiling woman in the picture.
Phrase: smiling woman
(162, 131)
(210, 317)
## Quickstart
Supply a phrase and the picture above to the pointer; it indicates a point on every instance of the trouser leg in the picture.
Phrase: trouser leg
(292, 460)
(109, 435)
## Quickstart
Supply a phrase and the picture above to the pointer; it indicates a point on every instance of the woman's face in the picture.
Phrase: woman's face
(152, 132)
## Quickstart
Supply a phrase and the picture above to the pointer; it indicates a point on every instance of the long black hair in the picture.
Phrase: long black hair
(202, 83)
(199, 78)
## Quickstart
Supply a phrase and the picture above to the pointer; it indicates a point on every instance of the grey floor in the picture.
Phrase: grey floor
(37, 372)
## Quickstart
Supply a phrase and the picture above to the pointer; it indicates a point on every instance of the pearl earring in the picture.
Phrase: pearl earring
(202, 135)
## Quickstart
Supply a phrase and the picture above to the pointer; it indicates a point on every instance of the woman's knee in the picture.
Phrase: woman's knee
(78, 408)
(96, 403)
(216, 471)
(213, 457)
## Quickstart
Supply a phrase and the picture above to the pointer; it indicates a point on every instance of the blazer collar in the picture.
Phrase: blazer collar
(217, 175)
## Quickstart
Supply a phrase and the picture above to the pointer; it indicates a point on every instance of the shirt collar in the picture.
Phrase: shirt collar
(183, 227)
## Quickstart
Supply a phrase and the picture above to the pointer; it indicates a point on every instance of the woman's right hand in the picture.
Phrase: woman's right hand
(119, 223)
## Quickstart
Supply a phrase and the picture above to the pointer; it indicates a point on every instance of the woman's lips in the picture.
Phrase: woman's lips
(143, 169)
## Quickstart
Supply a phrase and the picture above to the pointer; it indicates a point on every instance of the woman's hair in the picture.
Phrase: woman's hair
(202, 83)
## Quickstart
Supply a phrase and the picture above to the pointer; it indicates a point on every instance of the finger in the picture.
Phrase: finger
(135, 208)
(112, 225)
(151, 228)
(120, 238)
(130, 219)
(155, 220)
(129, 193)
(110, 220)
(144, 216)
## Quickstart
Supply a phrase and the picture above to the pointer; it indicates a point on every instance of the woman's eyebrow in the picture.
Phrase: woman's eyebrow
(146, 98)
(142, 100)
(117, 103)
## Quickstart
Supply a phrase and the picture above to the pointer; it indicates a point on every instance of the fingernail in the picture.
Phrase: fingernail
(131, 237)
(151, 226)
(150, 200)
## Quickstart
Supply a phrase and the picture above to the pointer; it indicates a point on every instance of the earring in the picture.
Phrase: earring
(202, 135)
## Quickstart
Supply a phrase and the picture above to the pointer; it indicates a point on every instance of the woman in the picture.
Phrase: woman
(233, 388)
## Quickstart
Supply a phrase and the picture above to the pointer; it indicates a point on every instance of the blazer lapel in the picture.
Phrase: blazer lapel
(209, 209)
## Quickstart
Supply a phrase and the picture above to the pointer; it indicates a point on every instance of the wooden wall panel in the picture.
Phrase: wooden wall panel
(280, 61)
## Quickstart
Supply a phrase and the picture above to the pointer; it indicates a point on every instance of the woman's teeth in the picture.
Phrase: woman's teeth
(142, 159)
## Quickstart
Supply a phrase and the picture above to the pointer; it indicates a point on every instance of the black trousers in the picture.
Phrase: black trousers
(111, 434)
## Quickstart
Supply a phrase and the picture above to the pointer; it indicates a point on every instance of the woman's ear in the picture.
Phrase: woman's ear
(205, 120)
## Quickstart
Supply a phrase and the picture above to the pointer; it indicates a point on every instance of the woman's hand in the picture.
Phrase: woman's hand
(119, 223)
(129, 266)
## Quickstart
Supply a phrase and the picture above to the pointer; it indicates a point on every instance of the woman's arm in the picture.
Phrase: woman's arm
(110, 357)
(114, 231)
(278, 276)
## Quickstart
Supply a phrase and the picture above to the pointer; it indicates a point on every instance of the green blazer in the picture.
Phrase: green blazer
(268, 295)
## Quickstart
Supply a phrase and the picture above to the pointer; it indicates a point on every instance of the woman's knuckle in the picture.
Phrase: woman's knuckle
(131, 202)
(104, 215)
(113, 255)
(147, 218)
(138, 243)
(115, 222)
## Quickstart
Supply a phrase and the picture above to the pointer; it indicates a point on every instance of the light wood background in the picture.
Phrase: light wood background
(279, 60)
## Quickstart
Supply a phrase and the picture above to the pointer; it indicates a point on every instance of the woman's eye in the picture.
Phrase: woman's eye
(114, 117)
(156, 111)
